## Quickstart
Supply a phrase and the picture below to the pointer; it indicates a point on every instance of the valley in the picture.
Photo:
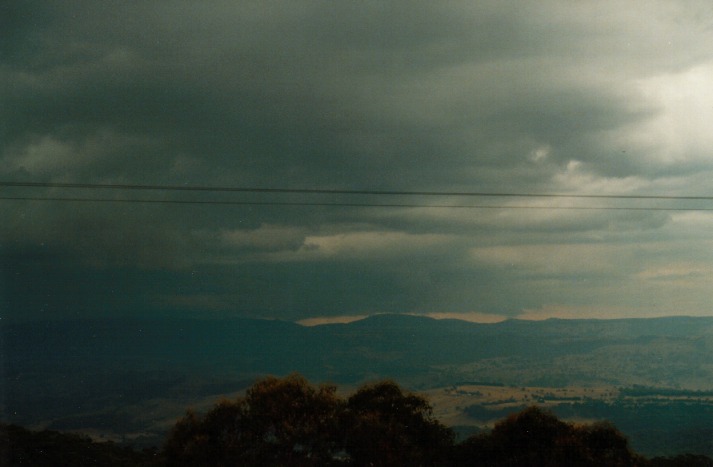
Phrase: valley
(129, 381)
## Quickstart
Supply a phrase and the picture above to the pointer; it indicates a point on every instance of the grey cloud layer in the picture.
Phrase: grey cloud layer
(478, 96)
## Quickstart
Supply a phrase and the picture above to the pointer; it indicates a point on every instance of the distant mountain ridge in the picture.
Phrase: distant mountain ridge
(271, 346)
(133, 375)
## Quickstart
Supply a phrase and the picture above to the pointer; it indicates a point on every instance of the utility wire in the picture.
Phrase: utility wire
(103, 186)
(339, 204)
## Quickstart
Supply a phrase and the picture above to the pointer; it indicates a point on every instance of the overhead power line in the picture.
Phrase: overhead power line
(111, 186)
(340, 204)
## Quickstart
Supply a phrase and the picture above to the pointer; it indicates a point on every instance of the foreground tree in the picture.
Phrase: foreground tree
(288, 422)
(387, 427)
(291, 422)
(278, 422)
(535, 437)
(22, 447)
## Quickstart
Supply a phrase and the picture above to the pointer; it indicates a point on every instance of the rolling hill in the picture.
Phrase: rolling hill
(129, 379)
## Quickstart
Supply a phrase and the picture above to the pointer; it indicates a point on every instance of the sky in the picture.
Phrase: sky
(496, 97)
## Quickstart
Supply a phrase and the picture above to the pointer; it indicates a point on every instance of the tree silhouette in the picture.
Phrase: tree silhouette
(602, 444)
(289, 422)
(278, 422)
(536, 438)
(389, 427)
(22, 447)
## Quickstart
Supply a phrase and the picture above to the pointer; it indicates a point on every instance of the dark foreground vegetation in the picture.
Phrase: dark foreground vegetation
(289, 422)
(21, 447)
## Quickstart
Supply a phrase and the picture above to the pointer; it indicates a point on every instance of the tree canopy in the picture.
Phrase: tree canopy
(387, 426)
(22, 447)
(289, 422)
(278, 422)
(535, 437)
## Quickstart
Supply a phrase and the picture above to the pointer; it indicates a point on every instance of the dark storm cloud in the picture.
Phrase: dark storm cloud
(457, 96)
(309, 93)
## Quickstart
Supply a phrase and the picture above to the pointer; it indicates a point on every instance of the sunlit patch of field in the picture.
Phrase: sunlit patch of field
(494, 401)
(449, 402)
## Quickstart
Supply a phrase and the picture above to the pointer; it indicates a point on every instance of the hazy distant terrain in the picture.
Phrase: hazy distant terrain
(131, 379)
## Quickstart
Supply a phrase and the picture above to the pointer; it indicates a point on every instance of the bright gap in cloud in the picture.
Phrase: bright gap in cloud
(473, 317)
(320, 320)
(680, 132)
(558, 311)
